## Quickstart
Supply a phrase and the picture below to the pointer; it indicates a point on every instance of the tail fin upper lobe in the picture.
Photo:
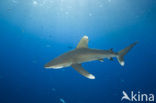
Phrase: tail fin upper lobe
(123, 52)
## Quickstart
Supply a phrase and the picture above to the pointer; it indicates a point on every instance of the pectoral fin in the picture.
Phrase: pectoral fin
(82, 71)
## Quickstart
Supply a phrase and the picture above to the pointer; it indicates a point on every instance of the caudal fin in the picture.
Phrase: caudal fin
(123, 52)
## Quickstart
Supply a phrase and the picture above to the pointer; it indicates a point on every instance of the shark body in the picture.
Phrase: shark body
(83, 54)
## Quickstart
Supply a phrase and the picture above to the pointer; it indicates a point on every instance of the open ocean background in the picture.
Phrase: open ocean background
(33, 32)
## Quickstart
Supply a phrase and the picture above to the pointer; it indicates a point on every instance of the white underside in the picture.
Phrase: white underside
(53, 67)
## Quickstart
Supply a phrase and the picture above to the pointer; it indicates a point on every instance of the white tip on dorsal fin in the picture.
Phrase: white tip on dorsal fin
(83, 42)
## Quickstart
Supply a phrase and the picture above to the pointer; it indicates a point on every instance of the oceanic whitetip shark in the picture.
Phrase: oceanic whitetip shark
(83, 54)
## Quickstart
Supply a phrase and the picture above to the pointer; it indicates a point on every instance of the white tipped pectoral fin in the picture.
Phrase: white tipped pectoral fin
(83, 42)
(82, 71)
(91, 76)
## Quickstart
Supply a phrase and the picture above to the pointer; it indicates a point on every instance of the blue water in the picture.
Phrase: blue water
(33, 32)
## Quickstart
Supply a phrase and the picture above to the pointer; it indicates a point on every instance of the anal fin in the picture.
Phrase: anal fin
(101, 60)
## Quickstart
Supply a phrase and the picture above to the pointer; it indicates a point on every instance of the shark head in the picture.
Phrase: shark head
(57, 63)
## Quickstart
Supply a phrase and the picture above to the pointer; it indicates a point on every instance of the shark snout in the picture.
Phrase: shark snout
(46, 66)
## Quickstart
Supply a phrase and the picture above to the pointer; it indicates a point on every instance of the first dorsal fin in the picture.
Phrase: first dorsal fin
(83, 42)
